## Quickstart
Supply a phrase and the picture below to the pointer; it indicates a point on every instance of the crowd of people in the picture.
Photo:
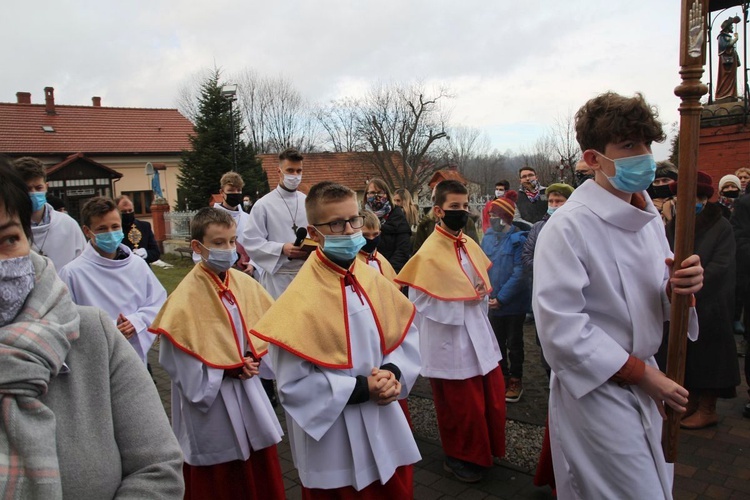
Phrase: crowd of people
(332, 307)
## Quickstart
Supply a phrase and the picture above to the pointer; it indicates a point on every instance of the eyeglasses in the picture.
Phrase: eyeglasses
(338, 226)
(375, 193)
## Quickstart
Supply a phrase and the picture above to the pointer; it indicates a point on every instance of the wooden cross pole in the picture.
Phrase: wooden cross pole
(692, 60)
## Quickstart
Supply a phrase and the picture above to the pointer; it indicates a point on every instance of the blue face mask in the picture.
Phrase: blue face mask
(551, 210)
(633, 174)
(343, 247)
(699, 208)
(221, 260)
(108, 242)
(38, 199)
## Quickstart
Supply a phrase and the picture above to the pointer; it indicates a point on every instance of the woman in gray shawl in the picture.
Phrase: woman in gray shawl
(79, 416)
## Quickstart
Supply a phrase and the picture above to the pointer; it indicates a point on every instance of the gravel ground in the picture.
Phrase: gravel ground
(524, 429)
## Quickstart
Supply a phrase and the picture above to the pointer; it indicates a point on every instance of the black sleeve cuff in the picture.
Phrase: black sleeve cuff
(393, 369)
(361, 392)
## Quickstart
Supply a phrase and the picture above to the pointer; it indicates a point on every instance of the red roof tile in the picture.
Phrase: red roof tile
(70, 159)
(90, 129)
(350, 169)
(445, 175)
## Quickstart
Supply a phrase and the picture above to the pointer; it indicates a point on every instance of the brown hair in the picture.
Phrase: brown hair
(232, 179)
(380, 185)
(325, 192)
(96, 207)
(610, 118)
(371, 220)
(410, 208)
(30, 168)
(290, 154)
(204, 218)
(523, 169)
(742, 169)
(122, 197)
(444, 188)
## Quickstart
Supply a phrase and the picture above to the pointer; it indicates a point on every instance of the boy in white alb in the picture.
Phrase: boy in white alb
(449, 284)
(108, 275)
(223, 420)
(600, 321)
(56, 234)
(341, 359)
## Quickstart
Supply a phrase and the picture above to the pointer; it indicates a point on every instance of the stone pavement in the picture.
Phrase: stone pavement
(712, 463)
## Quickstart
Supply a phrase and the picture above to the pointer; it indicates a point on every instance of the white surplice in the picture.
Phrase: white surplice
(217, 419)
(456, 340)
(335, 444)
(600, 296)
(240, 218)
(126, 286)
(269, 227)
(61, 240)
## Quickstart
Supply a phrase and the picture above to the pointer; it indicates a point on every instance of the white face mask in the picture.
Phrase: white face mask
(499, 193)
(292, 181)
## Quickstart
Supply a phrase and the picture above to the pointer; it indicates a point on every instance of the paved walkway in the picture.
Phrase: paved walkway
(712, 463)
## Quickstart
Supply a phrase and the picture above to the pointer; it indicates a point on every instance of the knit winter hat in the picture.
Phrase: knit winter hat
(560, 188)
(729, 179)
(505, 207)
(705, 185)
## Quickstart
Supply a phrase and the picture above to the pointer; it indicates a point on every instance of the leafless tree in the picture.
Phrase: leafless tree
(566, 147)
(540, 158)
(276, 114)
(465, 144)
(401, 124)
(340, 123)
(190, 91)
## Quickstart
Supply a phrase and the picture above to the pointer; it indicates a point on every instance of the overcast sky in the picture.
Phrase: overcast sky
(513, 66)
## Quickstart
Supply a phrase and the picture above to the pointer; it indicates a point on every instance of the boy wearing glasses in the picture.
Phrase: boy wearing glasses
(341, 358)
(449, 285)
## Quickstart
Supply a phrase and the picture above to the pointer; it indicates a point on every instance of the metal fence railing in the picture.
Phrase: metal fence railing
(177, 224)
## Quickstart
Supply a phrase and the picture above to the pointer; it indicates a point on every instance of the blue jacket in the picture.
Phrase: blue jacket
(510, 284)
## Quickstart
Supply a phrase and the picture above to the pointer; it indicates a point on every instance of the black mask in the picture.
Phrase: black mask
(372, 244)
(127, 220)
(233, 199)
(731, 194)
(657, 192)
(455, 220)
(581, 177)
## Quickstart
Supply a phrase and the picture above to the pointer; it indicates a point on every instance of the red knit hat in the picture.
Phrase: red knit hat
(705, 185)
(505, 207)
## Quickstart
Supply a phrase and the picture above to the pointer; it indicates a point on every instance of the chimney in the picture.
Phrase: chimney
(49, 99)
(96, 101)
(23, 97)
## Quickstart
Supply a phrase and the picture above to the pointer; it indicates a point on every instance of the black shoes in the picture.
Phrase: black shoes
(466, 472)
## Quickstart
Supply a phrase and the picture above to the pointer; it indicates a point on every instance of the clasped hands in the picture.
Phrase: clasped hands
(383, 385)
(250, 368)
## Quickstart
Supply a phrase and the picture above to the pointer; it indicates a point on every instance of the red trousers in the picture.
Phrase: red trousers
(258, 477)
(404, 404)
(471, 416)
(545, 473)
(399, 487)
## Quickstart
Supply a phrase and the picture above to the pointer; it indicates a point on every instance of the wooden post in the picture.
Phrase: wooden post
(692, 60)
(158, 208)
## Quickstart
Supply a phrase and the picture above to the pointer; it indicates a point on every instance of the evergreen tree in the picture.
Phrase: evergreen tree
(211, 156)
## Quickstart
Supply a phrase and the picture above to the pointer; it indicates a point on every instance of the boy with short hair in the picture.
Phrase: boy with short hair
(108, 275)
(56, 234)
(449, 284)
(600, 320)
(369, 253)
(220, 414)
(341, 358)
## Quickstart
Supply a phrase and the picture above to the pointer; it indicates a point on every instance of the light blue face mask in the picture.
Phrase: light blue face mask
(38, 199)
(634, 173)
(109, 242)
(699, 207)
(551, 210)
(221, 260)
(343, 247)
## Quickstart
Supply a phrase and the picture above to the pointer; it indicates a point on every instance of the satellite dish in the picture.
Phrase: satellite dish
(149, 168)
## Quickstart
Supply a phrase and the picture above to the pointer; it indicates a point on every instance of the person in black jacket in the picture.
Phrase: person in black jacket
(138, 234)
(395, 232)
(741, 223)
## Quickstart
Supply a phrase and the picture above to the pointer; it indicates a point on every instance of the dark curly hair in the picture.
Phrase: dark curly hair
(611, 118)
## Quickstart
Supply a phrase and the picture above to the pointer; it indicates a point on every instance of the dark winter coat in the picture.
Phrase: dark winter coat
(395, 238)
(711, 361)
(532, 212)
(148, 241)
(427, 225)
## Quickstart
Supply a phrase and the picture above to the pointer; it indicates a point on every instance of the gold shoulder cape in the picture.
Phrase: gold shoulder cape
(195, 320)
(310, 318)
(436, 268)
(386, 269)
